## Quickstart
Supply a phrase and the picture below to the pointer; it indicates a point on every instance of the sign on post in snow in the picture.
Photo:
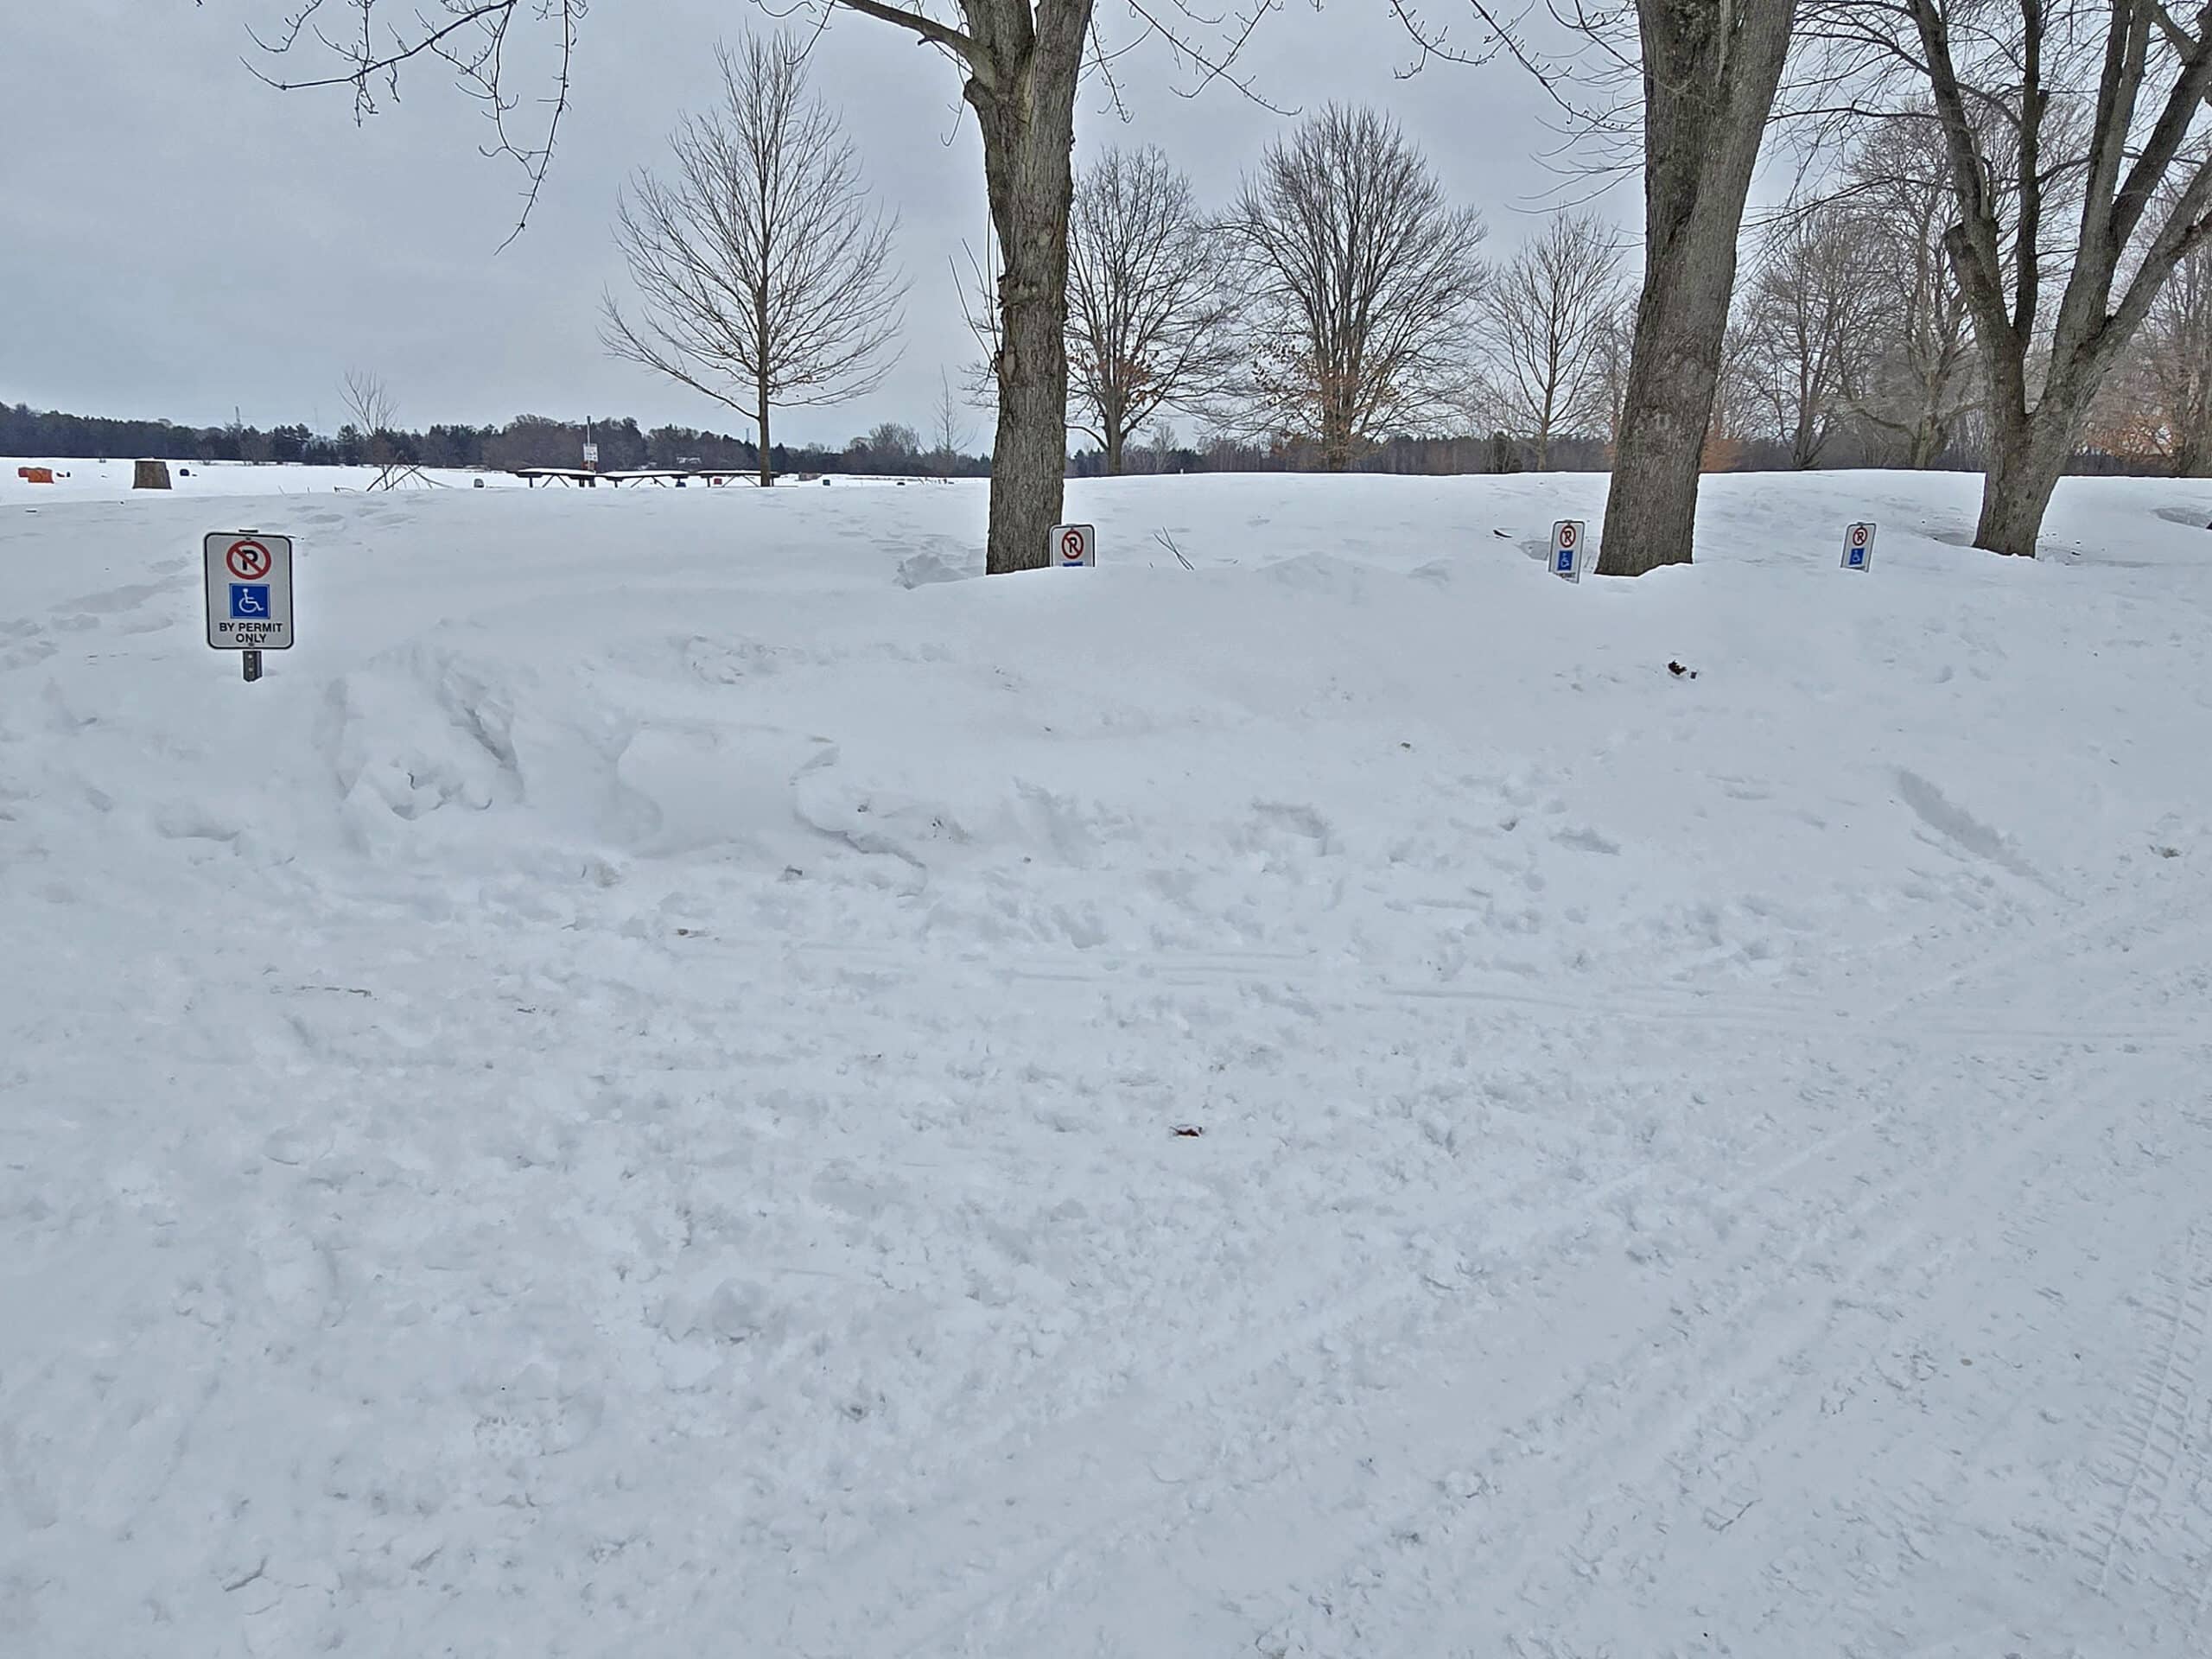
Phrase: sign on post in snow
(1075, 546)
(1858, 547)
(249, 594)
(1567, 549)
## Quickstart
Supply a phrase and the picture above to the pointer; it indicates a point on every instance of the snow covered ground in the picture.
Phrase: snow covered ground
(624, 1100)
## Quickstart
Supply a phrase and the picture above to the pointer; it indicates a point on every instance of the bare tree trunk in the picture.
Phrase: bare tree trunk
(1117, 442)
(1337, 437)
(1027, 119)
(760, 414)
(2027, 457)
(1710, 72)
(1805, 446)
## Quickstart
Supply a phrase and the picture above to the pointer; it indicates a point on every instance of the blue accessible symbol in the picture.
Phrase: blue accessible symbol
(249, 601)
(1566, 559)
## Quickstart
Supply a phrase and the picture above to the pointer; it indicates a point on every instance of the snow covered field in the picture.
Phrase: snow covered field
(624, 1100)
(111, 479)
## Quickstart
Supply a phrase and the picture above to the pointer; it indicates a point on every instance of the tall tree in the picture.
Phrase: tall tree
(2073, 135)
(1711, 71)
(1548, 314)
(948, 428)
(764, 275)
(2157, 405)
(1019, 61)
(1149, 314)
(1915, 378)
(1359, 280)
(1806, 320)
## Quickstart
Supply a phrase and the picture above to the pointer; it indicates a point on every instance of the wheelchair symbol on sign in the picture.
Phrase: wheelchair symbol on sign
(249, 601)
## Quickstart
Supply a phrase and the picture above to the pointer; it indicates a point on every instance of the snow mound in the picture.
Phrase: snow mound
(680, 1078)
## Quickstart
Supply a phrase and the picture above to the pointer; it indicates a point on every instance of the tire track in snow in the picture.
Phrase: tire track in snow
(1361, 989)
(1967, 1247)
(1717, 1338)
(1099, 1483)
(1087, 1469)
(2163, 1432)
(1756, 1366)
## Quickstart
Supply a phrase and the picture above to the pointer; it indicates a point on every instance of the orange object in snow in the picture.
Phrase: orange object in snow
(35, 474)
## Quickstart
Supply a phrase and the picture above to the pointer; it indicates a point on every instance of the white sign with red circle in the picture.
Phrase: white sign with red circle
(1568, 558)
(1075, 546)
(249, 590)
(1858, 548)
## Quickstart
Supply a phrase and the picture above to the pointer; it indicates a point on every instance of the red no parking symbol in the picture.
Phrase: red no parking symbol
(247, 560)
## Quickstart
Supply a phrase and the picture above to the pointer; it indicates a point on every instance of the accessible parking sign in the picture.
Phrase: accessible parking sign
(248, 591)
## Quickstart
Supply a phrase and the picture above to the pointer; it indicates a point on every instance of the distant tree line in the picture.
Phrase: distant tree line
(526, 440)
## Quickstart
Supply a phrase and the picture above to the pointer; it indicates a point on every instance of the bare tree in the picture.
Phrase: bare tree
(1915, 378)
(1548, 313)
(2156, 406)
(949, 429)
(1148, 311)
(2072, 138)
(1739, 404)
(371, 411)
(1359, 280)
(1610, 368)
(765, 276)
(889, 447)
(1020, 62)
(1156, 452)
(1805, 322)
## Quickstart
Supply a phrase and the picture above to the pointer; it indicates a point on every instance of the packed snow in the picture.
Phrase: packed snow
(683, 1078)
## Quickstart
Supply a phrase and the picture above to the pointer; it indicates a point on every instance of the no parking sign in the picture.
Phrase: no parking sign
(1858, 548)
(1075, 546)
(248, 585)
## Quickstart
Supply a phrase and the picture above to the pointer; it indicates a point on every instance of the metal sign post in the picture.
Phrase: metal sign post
(1074, 546)
(248, 579)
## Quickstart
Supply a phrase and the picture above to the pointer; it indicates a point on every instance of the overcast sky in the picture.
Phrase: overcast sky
(177, 239)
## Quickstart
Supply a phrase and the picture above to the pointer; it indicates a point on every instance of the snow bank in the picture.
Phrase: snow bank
(625, 1099)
